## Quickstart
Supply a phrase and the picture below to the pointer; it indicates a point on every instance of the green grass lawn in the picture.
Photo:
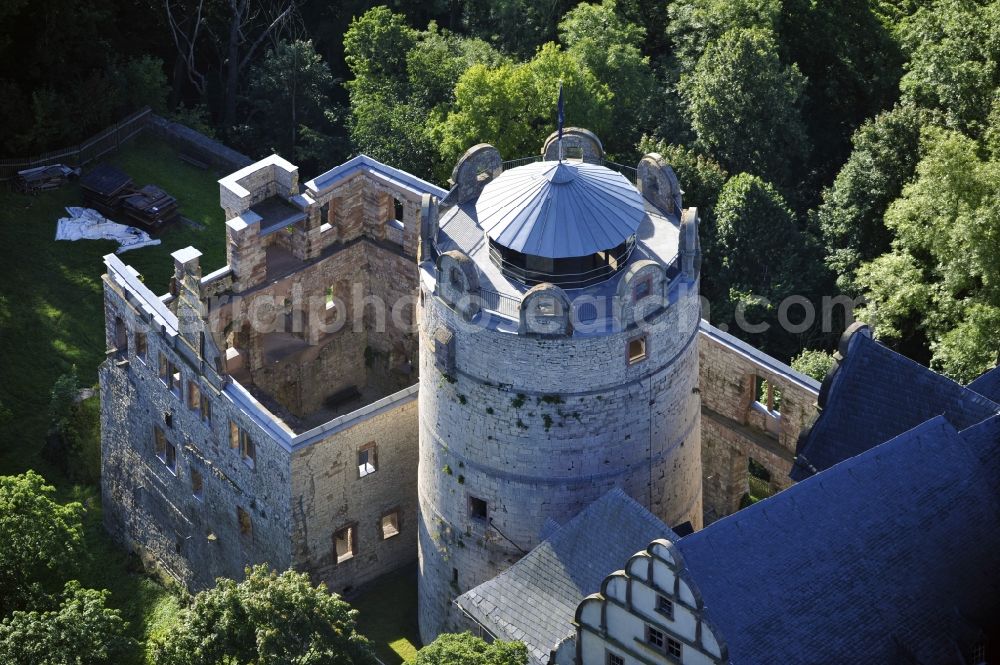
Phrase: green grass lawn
(388, 616)
(51, 318)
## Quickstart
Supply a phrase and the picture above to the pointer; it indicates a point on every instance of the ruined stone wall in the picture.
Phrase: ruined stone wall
(152, 508)
(539, 428)
(363, 205)
(329, 493)
(366, 340)
(733, 429)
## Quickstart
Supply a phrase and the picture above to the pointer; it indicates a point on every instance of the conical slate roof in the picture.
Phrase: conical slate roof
(560, 209)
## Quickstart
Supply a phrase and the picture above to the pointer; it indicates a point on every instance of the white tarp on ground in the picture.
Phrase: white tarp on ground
(88, 224)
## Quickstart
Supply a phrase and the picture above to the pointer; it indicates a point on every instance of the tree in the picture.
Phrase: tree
(513, 107)
(886, 150)
(513, 26)
(695, 24)
(438, 59)
(386, 122)
(41, 541)
(267, 619)
(852, 65)
(186, 25)
(466, 649)
(942, 277)
(971, 347)
(289, 97)
(764, 260)
(142, 83)
(610, 47)
(237, 29)
(813, 362)
(82, 630)
(375, 48)
(953, 54)
(744, 106)
(266, 18)
(62, 398)
(758, 238)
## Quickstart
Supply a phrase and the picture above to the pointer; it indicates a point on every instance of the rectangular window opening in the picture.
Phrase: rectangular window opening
(637, 349)
(767, 395)
(367, 459)
(171, 460)
(545, 307)
(248, 451)
(239, 439)
(206, 409)
(655, 637)
(642, 289)
(243, 519)
(478, 508)
(197, 485)
(140, 346)
(160, 444)
(193, 396)
(390, 525)
(345, 542)
(673, 648)
(665, 606)
(614, 659)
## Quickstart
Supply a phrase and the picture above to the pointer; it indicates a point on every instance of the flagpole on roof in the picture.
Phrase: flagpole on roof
(560, 118)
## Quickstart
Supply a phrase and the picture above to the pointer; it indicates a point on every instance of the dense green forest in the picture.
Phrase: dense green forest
(832, 148)
(846, 148)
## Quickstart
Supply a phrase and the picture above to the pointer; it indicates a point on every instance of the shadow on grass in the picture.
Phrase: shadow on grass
(52, 317)
(388, 615)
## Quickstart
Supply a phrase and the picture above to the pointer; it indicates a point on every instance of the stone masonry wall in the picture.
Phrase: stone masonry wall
(368, 340)
(733, 430)
(152, 508)
(329, 493)
(539, 428)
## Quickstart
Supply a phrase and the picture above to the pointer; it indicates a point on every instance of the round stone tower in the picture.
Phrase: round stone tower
(558, 358)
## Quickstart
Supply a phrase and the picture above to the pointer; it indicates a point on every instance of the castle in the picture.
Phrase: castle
(385, 369)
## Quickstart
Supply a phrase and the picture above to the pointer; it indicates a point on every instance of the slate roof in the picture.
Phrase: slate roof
(535, 600)
(560, 209)
(988, 385)
(374, 167)
(875, 560)
(877, 394)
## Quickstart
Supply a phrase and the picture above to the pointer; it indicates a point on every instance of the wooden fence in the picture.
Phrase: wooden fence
(105, 141)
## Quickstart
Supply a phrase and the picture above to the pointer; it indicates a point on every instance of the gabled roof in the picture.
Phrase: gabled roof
(535, 600)
(560, 209)
(365, 164)
(895, 551)
(988, 384)
(874, 394)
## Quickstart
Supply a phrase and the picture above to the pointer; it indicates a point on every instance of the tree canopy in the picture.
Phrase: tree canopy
(81, 630)
(41, 542)
(267, 619)
(467, 649)
(513, 106)
(745, 105)
(942, 275)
